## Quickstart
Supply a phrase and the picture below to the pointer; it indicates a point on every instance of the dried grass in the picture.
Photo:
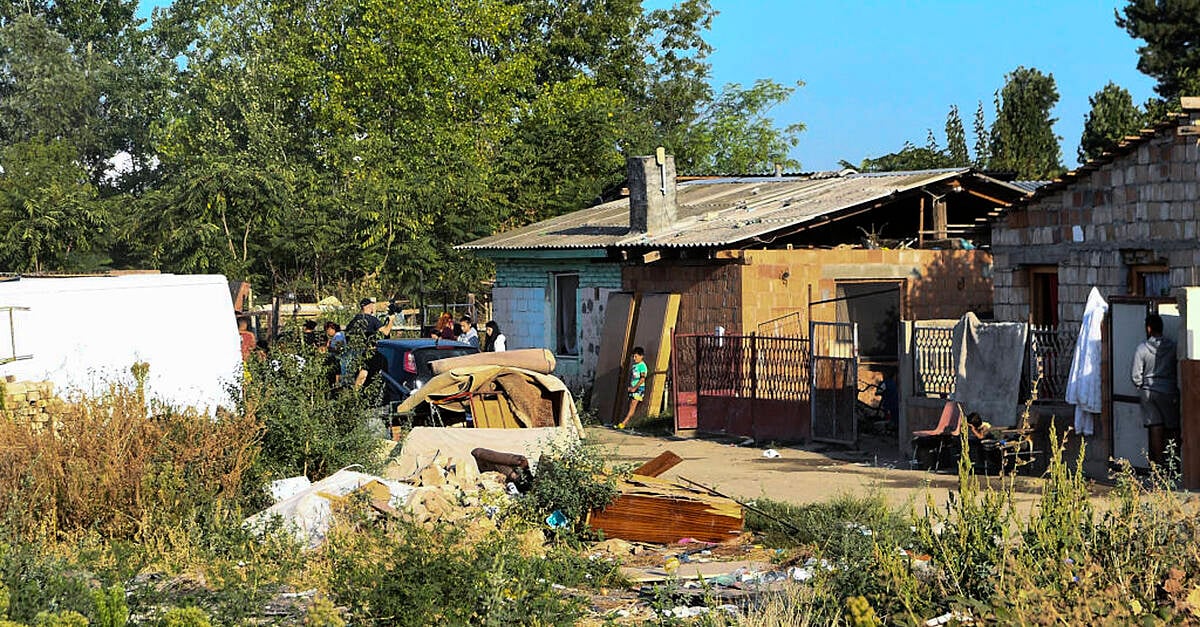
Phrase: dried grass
(115, 466)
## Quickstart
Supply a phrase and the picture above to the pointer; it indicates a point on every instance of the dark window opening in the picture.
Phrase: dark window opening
(566, 319)
(1043, 296)
(875, 307)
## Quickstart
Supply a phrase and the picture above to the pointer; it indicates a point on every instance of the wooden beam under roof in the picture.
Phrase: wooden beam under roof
(989, 198)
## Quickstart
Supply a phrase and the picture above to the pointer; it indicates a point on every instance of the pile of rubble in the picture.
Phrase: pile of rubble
(30, 403)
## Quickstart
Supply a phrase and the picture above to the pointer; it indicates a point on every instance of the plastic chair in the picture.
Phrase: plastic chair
(947, 431)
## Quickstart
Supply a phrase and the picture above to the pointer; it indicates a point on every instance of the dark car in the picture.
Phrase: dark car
(409, 363)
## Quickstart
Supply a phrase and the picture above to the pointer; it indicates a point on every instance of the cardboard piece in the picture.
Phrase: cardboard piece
(608, 391)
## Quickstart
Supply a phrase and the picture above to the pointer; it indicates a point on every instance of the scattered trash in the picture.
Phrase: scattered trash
(656, 510)
(556, 519)
(960, 618)
(860, 528)
(308, 514)
(284, 488)
(694, 611)
(771, 453)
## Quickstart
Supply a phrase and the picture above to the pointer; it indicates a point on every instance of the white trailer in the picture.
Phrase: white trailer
(83, 333)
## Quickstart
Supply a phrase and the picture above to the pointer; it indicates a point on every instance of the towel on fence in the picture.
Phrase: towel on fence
(1084, 383)
(987, 367)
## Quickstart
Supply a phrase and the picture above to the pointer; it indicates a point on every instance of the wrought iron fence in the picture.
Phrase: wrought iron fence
(1048, 354)
(1048, 362)
(750, 366)
(933, 360)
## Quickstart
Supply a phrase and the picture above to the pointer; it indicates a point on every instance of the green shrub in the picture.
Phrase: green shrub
(308, 428)
(402, 574)
(185, 617)
(573, 480)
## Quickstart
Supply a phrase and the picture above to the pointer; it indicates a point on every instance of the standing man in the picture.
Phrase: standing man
(469, 335)
(365, 326)
(1154, 375)
(248, 342)
(637, 384)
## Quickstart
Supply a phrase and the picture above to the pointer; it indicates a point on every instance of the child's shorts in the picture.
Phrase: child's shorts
(637, 396)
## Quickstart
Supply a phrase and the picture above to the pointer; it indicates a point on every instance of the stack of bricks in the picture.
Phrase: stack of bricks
(30, 403)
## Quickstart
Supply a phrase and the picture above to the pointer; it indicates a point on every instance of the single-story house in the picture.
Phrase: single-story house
(753, 255)
(1125, 223)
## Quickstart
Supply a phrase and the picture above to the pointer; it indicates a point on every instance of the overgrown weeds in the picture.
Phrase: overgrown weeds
(113, 467)
(1067, 561)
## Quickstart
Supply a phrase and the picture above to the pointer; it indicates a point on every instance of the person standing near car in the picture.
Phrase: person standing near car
(493, 340)
(444, 328)
(468, 335)
(1154, 375)
(365, 326)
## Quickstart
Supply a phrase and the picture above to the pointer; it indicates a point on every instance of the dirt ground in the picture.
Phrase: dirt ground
(799, 475)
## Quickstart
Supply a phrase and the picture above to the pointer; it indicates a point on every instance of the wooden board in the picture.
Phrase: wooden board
(657, 315)
(657, 466)
(492, 411)
(607, 390)
(661, 511)
(1189, 423)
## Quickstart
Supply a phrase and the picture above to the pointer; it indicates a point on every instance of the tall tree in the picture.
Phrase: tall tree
(739, 136)
(956, 139)
(1022, 138)
(983, 140)
(909, 157)
(1113, 116)
(1171, 32)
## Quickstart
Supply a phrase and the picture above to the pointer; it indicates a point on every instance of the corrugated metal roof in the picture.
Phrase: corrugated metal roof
(718, 212)
(1029, 186)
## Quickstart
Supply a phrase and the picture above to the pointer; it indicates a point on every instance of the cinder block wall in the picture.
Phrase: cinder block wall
(938, 283)
(1142, 207)
(524, 308)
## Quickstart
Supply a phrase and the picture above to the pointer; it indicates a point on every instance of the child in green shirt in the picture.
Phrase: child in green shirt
(637, 384)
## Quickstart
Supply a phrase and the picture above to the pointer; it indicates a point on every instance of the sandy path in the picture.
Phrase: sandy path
(798, 475)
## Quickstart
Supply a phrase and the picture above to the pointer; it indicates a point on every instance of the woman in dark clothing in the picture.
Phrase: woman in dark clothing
(493, 340)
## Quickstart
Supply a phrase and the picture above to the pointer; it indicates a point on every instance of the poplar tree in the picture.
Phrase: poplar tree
(1113, 116)
(956, 139)
(983, 142)
(1171, 54)
(1023, 139)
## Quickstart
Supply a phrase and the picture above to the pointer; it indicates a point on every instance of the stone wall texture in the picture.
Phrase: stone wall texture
(1140, 209)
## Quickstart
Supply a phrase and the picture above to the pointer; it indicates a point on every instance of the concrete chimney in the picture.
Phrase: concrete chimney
(651, 192)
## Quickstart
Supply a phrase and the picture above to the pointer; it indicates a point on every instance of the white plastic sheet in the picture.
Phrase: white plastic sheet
(84, 333)
(308, 514)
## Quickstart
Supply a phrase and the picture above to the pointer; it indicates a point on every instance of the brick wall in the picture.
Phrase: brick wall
(1141, 207)
(710, 292)
(524, 309)
(939, 284)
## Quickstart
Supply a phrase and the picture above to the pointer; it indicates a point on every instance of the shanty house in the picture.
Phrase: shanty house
(753, 255)
(1126, 224)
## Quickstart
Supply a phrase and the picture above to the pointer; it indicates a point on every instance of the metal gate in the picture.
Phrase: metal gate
(684, 387)
(834, 382)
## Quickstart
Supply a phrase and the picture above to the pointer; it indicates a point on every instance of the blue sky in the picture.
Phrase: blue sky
(880, 72)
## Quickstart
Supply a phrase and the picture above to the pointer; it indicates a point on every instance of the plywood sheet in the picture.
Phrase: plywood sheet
(660, 511)
(1189, 447)
(614, 344)
(656, 318)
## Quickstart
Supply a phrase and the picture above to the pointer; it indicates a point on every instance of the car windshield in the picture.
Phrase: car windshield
(425, 356)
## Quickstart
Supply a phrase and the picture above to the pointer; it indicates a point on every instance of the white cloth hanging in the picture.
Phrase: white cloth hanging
(1084, 389)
